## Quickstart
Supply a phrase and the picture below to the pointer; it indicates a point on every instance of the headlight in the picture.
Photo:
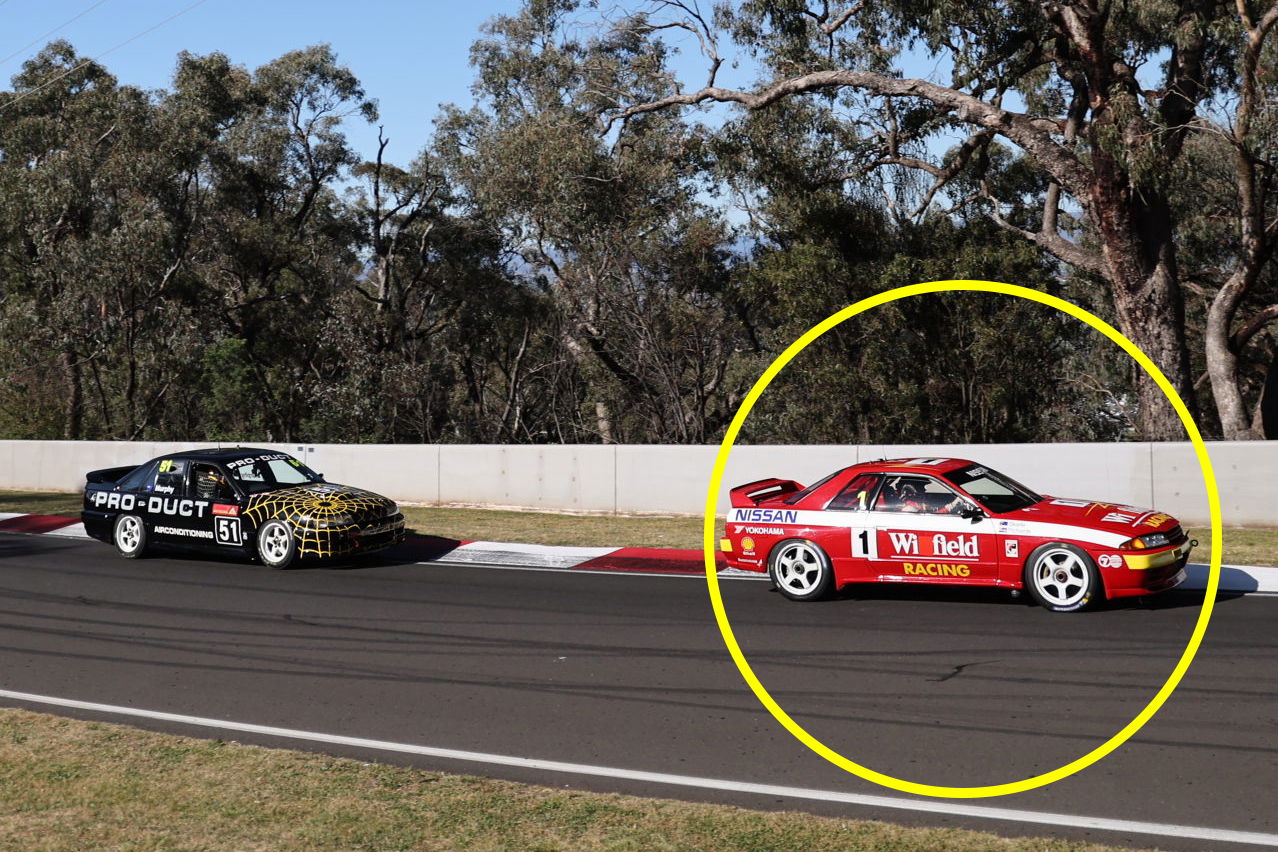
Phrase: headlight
(1146, 542)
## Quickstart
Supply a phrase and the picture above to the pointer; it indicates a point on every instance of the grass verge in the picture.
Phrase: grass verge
(72, 785)
(1241, 546)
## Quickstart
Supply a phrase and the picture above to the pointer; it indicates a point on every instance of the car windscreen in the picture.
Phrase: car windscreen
(993, 490)
(267, 473)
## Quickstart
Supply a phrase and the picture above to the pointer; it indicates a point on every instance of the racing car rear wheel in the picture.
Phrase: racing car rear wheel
(1062, 577)
(801, 570)
(130, 536)
(276, 546)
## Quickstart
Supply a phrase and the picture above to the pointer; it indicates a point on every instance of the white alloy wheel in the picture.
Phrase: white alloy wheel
(801, 570)
(1061, 577)
(130, 536)
(276, 545)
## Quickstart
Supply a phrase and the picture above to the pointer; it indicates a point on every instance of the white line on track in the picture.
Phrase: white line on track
(950, 808)
(726, 574)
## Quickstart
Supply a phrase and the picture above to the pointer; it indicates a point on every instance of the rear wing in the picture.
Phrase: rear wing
(754, 493)
(109, 475)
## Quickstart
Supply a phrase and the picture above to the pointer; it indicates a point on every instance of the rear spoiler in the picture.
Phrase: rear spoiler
(754, 493)
(109, 475)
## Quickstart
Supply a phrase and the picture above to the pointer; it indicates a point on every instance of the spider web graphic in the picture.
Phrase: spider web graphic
(323, 517)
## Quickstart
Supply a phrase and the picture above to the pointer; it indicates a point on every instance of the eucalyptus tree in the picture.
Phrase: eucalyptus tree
(615, 229)
(277, 242)
(1097, 98)
(435, 341)
(95, 238)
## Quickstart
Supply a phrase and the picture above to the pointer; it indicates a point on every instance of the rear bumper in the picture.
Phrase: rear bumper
(98, 524)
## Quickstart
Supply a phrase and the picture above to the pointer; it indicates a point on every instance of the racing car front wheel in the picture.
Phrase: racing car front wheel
(1062, 577)
(801, 570)
(276, 546)
(130, 536)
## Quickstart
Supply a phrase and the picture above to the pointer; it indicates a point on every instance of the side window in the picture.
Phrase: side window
(208, 482)
(169, 477)
(858, 493)
(918, 494)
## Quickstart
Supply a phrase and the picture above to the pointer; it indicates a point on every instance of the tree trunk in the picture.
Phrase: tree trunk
(1269, 402)
(1136, 233)
(1150, 315)
(72, 421)
(1222, 362)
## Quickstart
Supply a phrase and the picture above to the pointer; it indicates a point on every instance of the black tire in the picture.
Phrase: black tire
(1062, 578)
(276, 544)
(801, 570)
(129, 536)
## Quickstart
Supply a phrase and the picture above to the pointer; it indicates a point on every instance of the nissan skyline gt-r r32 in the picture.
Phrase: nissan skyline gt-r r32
(260, 502)
(952, 522)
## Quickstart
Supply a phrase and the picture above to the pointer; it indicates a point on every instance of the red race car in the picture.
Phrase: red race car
(952, 522)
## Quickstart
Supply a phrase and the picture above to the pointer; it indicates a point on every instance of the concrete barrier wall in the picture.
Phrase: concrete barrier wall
(673, 479)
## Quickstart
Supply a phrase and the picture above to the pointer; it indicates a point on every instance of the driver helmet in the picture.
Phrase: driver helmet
(210, 481)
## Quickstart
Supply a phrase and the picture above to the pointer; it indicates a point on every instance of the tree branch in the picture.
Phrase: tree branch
(1253, 326)
(1031, 134)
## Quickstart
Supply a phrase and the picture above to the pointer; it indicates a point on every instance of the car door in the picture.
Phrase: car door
(173, 516)
(854, 549)
(919, 537)
(211, 484)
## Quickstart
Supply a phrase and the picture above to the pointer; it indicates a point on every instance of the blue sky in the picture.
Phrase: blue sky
(411, 57)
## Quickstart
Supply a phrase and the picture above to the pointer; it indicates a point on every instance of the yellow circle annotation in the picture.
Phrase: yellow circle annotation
(1033, 782)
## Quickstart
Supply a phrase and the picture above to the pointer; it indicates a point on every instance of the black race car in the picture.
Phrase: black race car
(264, 503)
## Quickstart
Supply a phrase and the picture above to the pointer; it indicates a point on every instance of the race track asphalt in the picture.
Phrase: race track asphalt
(942, 687)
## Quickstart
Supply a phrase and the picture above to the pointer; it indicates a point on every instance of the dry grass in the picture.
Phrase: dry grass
(71, 785)
(1241, 546)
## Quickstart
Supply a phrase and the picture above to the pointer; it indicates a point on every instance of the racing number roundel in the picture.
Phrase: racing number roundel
(882, 779)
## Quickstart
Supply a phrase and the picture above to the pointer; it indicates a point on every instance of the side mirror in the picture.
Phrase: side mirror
(970, 511)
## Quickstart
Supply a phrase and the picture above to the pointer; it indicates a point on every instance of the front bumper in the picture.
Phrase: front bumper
(1148, 573)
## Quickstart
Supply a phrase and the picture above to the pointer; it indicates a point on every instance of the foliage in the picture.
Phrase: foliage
(214, 262)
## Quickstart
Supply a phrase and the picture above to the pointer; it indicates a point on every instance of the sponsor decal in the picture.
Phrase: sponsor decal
(1110, 560)
(165, 489)
(977, 471)
(114, 500)
(747, 544)
(169, 506)
(905, 542)
(1011, 548)
(924, 462)
(230, 510)
(1077, 504)
(963, 545)
(152, 505)
(908, 544)
(933, 569)
(764, 516)
(235, 465)
(166, 466)
(1156, 520)
(1118, 518)
(184, 532)
(763, 530)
